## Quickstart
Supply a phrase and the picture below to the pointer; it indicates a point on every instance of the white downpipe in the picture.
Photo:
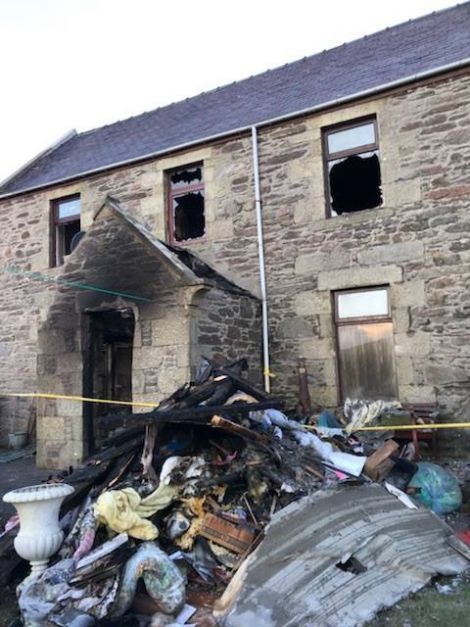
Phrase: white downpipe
(262, 272)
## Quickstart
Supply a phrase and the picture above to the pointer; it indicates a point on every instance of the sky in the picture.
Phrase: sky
(80, 64)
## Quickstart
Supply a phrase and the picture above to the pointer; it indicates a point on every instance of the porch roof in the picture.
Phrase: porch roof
(119, 256)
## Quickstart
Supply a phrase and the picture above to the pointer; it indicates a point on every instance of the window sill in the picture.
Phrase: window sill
(187, 243)
(58, 267)
(359, 217)
(52, 272)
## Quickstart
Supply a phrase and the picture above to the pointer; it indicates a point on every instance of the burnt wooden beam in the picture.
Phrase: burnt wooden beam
(244, 385)
(243, 432)
(222, 387)
(117, 451)
(258, 439)
(197, 415)
(127, 434)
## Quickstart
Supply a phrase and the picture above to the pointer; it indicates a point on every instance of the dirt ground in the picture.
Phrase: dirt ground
(444, 602)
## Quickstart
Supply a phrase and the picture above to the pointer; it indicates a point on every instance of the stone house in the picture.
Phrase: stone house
(319, 211)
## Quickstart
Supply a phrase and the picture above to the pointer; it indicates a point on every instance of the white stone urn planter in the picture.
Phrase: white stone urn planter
(38, 508)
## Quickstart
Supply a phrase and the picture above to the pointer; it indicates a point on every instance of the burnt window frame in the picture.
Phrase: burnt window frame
(357, 320)
(56, 255)
(342, 154)
(171, 194)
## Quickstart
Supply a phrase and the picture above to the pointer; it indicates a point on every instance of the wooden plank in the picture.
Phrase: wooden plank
(379, 464)
(226, 534)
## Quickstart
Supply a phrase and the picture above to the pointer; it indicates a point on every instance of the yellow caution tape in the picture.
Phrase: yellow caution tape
(267, 372)
(440, 425)
(79, 398)
(427, 427)
(433, 425)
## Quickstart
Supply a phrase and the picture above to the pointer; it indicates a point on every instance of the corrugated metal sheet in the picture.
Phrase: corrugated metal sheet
(293, 577)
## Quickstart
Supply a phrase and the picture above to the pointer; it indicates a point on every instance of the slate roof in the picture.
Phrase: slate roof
(396, 54)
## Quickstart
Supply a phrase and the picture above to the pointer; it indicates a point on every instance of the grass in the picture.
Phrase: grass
(430, 607)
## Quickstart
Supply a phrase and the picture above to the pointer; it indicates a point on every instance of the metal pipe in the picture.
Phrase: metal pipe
(243, 129)
(262, 268)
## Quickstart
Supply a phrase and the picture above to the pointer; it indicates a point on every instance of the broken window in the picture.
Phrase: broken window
(186, 204)
(353, 167)
(364, 333)
(65, 227)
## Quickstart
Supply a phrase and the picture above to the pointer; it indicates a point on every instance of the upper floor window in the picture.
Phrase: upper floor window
(186, 220)
(65, 227)
(352, 167)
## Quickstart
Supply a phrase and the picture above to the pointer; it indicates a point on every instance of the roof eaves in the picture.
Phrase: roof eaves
(268, 122)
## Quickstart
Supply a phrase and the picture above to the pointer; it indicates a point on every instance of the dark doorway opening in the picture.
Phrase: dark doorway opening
(107, 372)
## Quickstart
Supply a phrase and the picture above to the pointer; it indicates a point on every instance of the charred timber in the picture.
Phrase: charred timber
(196, 415)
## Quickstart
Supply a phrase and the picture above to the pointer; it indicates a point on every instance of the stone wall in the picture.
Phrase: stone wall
(226, 325)
(418, 242)
(20, 302)
(173, 321)
(170, 336)
(26, 297)
(160, 364)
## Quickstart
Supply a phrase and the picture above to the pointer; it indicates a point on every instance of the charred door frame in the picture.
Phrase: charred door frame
(89, 330)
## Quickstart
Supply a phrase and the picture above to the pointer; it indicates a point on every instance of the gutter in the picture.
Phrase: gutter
(262, 267)
(244, 129)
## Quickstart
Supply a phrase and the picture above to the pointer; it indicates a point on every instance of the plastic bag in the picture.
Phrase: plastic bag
(439, 489)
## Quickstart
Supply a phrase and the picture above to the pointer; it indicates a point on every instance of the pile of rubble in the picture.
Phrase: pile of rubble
(181, 503)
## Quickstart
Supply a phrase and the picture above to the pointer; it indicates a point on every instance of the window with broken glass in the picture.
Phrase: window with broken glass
(65, 227)
(186, 219)
(352, 167)
(364, 333)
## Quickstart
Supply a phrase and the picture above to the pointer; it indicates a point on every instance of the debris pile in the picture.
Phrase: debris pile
(164, 516)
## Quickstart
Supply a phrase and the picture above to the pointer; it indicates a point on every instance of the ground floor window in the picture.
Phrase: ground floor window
(364, 332)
